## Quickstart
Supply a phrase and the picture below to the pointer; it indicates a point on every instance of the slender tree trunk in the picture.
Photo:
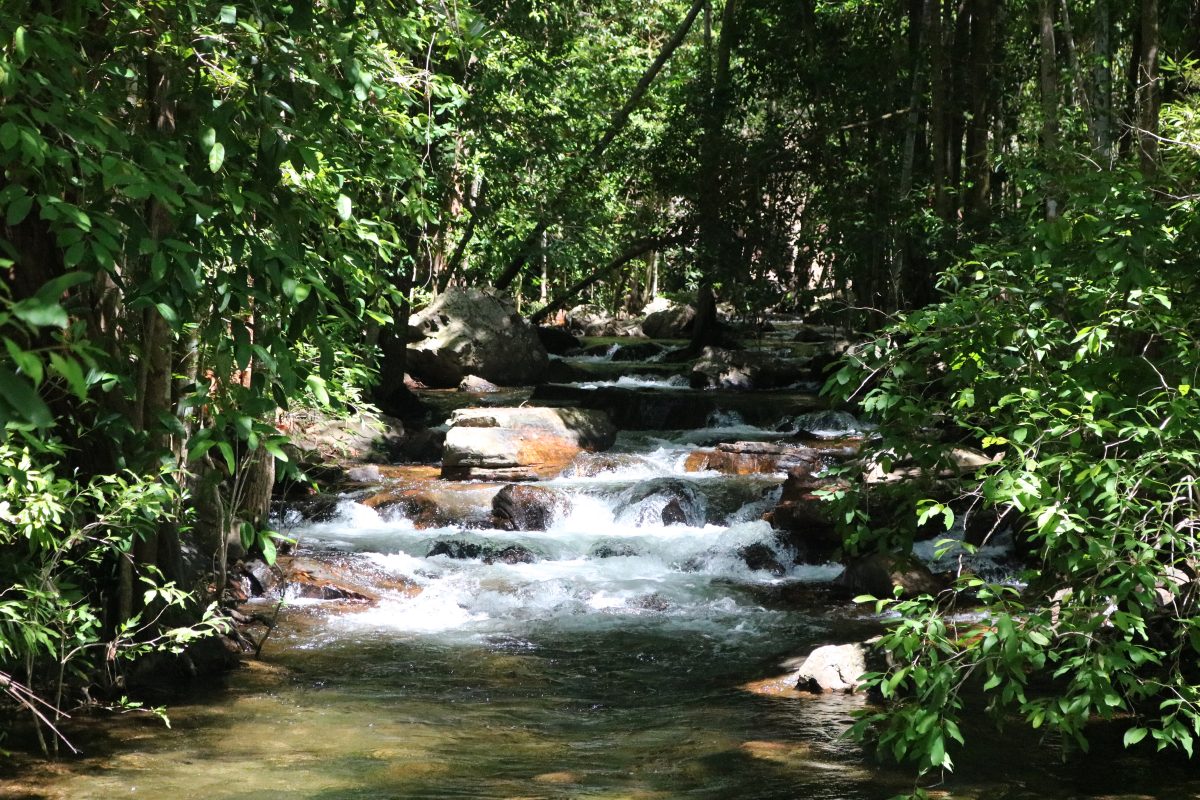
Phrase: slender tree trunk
(978, 165)
(1147, 89)
(1048, 73)
(939, 102)
(1102, 104)
(905, 280)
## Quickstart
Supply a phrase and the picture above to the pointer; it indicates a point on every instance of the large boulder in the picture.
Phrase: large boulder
(672, 322)
(524, 443)
(473, 332)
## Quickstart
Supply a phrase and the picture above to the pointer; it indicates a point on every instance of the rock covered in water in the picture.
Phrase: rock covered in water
(718, 368)
(434, 505)
(590, 465)
(640, 351)
(468, 331)
(523, 443)
(881, 574)
(520, 507)
(613, 548)
(833, 668)
(827, 424)
(751, 458)
(661, 501)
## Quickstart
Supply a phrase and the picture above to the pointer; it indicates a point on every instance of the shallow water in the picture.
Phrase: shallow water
(611, 667)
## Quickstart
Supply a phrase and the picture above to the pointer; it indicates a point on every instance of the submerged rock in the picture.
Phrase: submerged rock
(435, 505)
(827, 424)
(613, 548)
(590, 465)
(524, 443)
(760, 557)
(472, 332)
(661, 501)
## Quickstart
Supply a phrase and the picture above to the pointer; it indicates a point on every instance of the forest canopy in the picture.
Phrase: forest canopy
(212, 213)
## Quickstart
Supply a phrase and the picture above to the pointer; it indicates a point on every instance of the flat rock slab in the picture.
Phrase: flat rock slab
(753, 458)
(525, 443)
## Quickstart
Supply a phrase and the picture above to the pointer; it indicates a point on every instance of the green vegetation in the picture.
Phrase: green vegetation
(215, 212)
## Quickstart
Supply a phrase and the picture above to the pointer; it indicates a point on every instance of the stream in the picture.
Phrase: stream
(610, 660)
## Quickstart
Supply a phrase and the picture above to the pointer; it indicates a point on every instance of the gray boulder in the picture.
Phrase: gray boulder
(473, 332)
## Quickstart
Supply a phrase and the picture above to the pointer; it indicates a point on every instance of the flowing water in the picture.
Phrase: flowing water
(614, 665)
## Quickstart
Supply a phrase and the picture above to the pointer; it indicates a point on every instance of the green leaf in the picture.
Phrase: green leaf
(39, 312)
(344, 207)
(27, 362)
(72, 372)
(10, 135)
(216, 156)
(316, 385)
(18, 210)
(228, 15)
(1134, 735)
(267, 545)
(227, 453)
(24, 399)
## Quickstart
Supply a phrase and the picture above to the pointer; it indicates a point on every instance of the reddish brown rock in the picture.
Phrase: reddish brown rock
(805, 515)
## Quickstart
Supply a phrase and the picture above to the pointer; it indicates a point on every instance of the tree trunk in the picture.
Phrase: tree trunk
(905, 280)
(1148, 94)
(1048, 78)
(1102, 102)
(939, 102)
(978, 166)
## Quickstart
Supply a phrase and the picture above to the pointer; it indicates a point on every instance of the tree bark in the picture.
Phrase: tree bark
(1102, 102)
(978, 166)
(1048, 78)
(1147, 89)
